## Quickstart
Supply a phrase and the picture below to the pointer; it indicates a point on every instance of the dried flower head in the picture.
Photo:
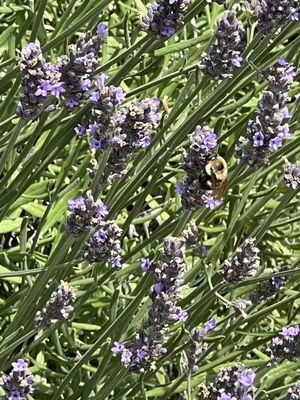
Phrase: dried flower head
(265, 133)
(243, 265)
(164, 17)
(78, 68)
(84, 213)
(193, 190)
(286, 346)
(225, 56)
(103, 244)
(273, 14)
(269, 288)
(58, 308)
(231, 383)
(19, 382)
(292, 174)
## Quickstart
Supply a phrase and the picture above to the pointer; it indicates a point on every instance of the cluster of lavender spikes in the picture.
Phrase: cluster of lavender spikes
(231, 383)
(104, 245)
(198, 347)
(224, 56)
(58, 308)
(273, 14)
(243, 265)
(164, 17)
(193, 190)
(83, 214)
(292, 174)
(72, 75)
(265, 133)
(269, 288)
(19, 382)
(141, 353)
(294, 393)
(285, 346)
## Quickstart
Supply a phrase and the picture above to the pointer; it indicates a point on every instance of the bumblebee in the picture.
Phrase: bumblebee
(215, 176)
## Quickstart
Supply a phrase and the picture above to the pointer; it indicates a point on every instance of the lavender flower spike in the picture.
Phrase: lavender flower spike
(99, 125)
(33, 71)
(192, 192)
(243, 265)
(134, 124)
(164, 17)
(140, 355)
(83, 214)
(19, 382)
(273, 14)
(231, 383)
(292, 174)
(225, 56)
(77, 69)
(265, 133)
(57, 308)
(104, 245)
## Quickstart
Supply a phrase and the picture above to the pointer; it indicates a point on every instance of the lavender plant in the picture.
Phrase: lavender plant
(105, 195)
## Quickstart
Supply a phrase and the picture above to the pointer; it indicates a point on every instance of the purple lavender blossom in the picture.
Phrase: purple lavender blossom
(292, 174)
(83, 214)
(58, 308)
(243, 265)
(19, 382)
(145, 264)
(77, 69)
(273, 14)
(104, 245)
(208, 326)
(269, 288)
(118, 347)
(231, 383)
(194, 190)
(33, 69)
(225, 56)
(164, 17)
(264, 135)
(285, 346)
